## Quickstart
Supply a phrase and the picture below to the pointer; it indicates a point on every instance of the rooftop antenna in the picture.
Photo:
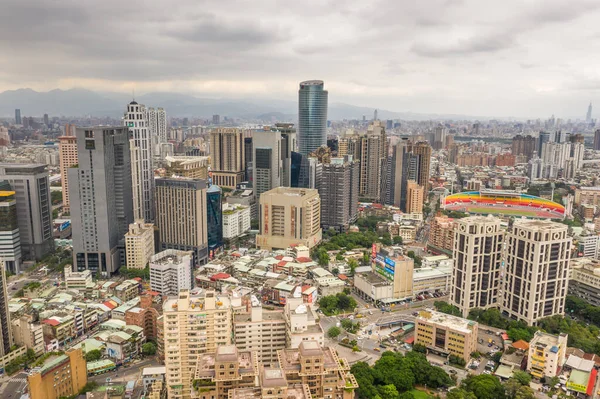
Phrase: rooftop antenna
(133, 93)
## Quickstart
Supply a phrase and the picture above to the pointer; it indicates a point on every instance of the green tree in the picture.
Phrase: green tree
(335, 271)
(93, 355)
(447, 308)
(333, 332)
(511, 387)
(522, 377)
(484, 386)
(323, 258)
(388, 392)
(406, 395)
(352, 264)
(525, 393)
(459, 393)
(397, 240)
(366, 260)
(365, 377)
(419, 348)
(339, 257)
(149, 349)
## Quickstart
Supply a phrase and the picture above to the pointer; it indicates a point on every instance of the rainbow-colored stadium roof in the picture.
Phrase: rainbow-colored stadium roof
(508, 203)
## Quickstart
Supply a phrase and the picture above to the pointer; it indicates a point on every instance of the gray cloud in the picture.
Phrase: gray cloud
(426, 56)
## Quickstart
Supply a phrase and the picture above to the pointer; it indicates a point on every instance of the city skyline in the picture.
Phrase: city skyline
(450, 57)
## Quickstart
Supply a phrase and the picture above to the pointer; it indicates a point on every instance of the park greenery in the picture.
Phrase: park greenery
(339, 303)
(57, 260)
(395, 375)
(582, 335)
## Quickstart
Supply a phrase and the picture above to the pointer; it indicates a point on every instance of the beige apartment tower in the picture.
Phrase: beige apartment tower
(289, 216)
(139, 244)
(187, 166)
(227, 156)
(414, 197)
(477, 254)
(193, 325)
(181, 216)
(373, 158)
(261, 331)
(536, 270)
(67, 151)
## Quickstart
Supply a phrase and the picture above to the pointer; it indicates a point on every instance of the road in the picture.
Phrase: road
(12, 387)
(125, 374)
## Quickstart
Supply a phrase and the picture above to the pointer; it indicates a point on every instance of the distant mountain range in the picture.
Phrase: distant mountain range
(81, 102)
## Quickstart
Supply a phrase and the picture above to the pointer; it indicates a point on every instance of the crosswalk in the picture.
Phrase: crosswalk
(16, 379)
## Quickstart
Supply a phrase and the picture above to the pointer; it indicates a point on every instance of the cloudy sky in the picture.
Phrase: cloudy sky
(479, 57)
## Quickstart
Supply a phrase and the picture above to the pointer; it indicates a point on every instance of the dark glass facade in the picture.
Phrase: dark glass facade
(214, 219)
(312, 116)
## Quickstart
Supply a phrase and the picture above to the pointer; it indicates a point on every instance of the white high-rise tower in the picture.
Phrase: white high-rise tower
(136, 119)
(157, 123)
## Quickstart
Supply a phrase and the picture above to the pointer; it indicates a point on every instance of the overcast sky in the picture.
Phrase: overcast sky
(478, 57)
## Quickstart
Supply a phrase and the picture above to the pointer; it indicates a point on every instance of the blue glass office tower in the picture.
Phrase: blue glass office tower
(544, 137)
(214, 221)
(312, 116)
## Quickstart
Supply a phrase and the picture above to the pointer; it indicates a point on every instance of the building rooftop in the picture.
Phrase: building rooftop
(266, 316)
(454, 322)
(545, 340)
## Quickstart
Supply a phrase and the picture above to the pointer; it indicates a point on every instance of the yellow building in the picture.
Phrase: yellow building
(60, 376)
(139, 244)
(289, 217)
(546, 354)
(446, 335)
(193, 325)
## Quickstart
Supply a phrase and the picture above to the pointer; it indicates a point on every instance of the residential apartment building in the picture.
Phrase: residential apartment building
(301, 323)
(326, 375)
(225, 369)
(171, 271)
(193, 325)
(476, 281)
(139, 244)
(441, 235)
(373, 158)
(546, 354)
(414, 197)
(142, 170)
(10, 239)
(34, 210)
(584, 280)
(181, 216)
(289, 216)
(67, 150)
(227, 156)
(261, 331)
(587, 196)
(157, 123)
(144, 316)
(60, 376)
(338, 189)
(100, 195)
(236, 220)
(6, 338)
(273, 385)
(536, 273)
(446, 335)
(28, 333)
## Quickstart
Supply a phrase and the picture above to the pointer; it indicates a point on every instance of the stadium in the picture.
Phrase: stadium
(504, 203)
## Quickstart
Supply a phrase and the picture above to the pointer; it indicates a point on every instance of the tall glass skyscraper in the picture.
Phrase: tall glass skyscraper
(312, 116)
(214, 220)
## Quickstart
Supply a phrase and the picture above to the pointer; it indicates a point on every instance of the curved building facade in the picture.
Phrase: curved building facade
(312, 116)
